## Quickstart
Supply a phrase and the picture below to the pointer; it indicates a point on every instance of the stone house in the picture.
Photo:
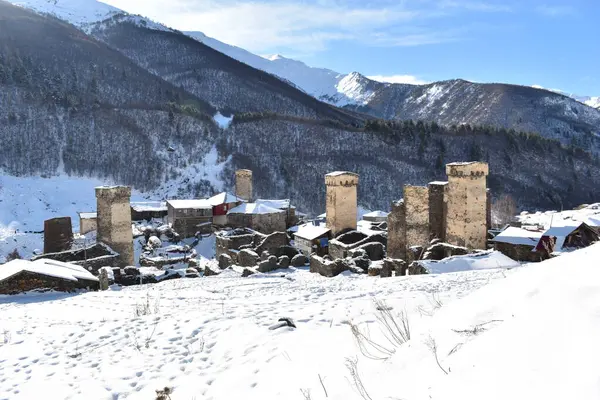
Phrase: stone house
(312, 238)
(284, 205)
(221, 204)
(20, 276)
(519, 244)
(147, 210)
(186, 216)
(87, 222)
(259, 217)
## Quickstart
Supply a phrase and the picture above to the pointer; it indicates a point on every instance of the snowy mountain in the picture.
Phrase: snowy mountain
(77, 12)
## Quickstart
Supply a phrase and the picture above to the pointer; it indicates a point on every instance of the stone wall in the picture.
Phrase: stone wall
(243, 184)
(91, 258)
(520, 252)
(416, 202)
(396, 244)
(225, 244)
(466, 219)
(58, 234)
(114, 221)
(341, 201)
(269, 223)
(87, 225)
(437, 210)
(25, 281)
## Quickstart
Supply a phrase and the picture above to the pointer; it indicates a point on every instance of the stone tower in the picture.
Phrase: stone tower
(437, 210)
(341, 201)
(243, 184)
(114, 220)
(58, 234)
(396, 244)
(416, 202)
(466, 205)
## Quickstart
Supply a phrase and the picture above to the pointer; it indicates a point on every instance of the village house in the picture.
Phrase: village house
(188, 216)
(147, 210)
(519, 244)
(18, 276)
(312, 238)
(87, 222)
(283, 205)
(259, 217)
(569, 235)
(221, 204)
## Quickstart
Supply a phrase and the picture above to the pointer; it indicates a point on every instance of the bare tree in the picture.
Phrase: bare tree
(504, 210)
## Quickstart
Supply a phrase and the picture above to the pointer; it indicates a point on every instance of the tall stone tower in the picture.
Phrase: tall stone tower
(416, 201)
(114, 220)
(341, 200)
(243, 184)
(466, 206)
(437, 210)
(396, 244)
(58, 234)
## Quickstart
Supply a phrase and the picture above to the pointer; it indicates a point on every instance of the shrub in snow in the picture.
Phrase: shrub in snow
(299, 260)
(13, 255)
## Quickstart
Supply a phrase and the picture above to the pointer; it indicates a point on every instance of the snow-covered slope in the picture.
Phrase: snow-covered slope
(321, 83)
(77, 12)
(527, 333)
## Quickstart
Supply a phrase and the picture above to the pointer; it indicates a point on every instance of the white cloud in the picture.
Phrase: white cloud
(308, 26)
(413, 80)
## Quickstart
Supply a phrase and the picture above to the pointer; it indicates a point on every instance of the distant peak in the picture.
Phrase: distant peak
(275, 57)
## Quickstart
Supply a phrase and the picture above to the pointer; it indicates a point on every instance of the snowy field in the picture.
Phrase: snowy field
(525, 333)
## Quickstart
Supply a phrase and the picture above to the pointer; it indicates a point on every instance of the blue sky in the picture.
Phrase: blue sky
(553, 44)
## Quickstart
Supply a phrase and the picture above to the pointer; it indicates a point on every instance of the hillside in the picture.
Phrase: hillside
(99, 114)
(69, 103)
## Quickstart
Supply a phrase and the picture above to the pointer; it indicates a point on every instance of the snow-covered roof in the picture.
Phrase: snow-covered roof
(193, 204)
(438, 183)
(563, 230)
(311, 231)
(338, 173)
(47, 267)
(88, 215)
(281, 204)
(376, 214)
(484, 260)
(515, 235)
(141, 206)
(254, 208)
(224, 198)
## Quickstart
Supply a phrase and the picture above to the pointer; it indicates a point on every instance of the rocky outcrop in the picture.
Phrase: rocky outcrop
(328, 268)
(247, 258)
(273, 242)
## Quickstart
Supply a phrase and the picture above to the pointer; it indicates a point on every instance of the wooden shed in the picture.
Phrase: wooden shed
(312, 238)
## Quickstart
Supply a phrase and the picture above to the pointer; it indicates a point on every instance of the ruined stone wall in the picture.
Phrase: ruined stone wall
(416, 202)
(243, 184)
(437, 210)
(396, 244)
(269, 223)
(114, 221)
(87, 225)
(58, 234)
(341, 201)
(225, 244)
(466, 219)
